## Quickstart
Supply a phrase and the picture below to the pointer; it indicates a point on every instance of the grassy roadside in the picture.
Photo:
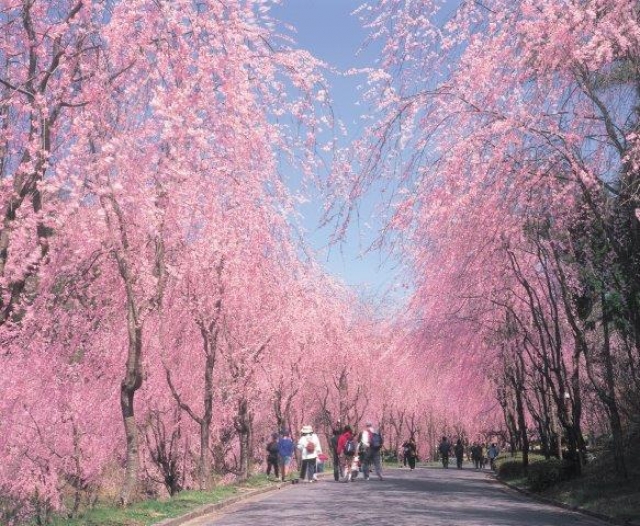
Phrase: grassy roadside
(153, 511)
(598, 490)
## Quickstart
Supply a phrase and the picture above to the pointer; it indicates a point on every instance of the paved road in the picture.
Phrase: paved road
(424, 497)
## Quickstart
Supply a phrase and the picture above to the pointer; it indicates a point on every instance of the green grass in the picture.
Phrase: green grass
(152, 511)
(601, 491)
(598, 490)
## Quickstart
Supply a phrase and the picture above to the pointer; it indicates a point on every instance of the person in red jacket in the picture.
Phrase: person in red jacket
(345, 450)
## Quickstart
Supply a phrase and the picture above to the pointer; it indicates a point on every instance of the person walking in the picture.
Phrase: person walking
(286, 449)
(493, 453)
(410, 452)
(309, 447)
(371, 443)
(346, 451)
(458, 450)
(476, 455)
(272, 456)
(445, 450)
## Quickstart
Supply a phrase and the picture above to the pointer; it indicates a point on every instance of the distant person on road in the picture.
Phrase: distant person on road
(458, 449)
(445, 450)
(309, 447)
(410, 452)
(371, 446)
(272, 456)
(483, 458)
(476, 455)
(286, 449)
(493, 453)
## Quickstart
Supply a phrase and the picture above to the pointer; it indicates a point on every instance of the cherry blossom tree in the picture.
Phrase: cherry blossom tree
(499, 116)
(165, 106)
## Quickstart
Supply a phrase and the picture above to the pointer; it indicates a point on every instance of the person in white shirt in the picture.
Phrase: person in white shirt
(309, 447)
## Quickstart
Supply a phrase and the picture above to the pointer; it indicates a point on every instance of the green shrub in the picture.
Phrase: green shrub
(544, 474)
(510, 469)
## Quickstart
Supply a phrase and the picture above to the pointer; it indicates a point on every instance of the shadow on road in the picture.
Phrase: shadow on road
(425, 497)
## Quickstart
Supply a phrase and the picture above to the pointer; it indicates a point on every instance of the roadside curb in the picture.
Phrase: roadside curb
(217, 506)
(564, 505)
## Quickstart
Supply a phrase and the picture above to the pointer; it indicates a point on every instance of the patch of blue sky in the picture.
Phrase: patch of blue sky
(330, 32)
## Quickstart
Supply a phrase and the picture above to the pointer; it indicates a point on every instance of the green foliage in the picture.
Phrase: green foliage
(601, 490)
(545, 474)
(509, 469)
(9, 507)
(390, 455)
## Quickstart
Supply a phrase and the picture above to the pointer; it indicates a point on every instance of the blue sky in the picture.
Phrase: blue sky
(328, 30)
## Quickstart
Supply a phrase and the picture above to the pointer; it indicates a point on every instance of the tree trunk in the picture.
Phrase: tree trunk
(203, 467)
(205, 424)
(243, 428)
(343, 388)
(131, 433)
(130, 384)
(522, 425)
(609, 398)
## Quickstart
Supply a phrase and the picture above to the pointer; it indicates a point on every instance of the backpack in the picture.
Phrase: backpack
(310, 447)
(376, 441)
(349, 448)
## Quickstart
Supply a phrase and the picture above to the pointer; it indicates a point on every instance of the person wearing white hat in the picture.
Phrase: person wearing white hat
(309, 446)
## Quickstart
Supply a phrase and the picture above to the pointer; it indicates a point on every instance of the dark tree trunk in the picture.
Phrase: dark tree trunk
(130, 384)
(243, 426)
(609, 398)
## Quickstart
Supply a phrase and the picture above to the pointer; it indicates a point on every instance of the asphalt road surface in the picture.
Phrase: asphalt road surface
(424, 497)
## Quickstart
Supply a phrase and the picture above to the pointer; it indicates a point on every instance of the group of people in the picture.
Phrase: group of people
(353, 452)
(281, 452)
(479, 453)
(280, 455)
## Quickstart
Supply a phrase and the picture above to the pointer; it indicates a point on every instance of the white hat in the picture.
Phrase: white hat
(306, 430)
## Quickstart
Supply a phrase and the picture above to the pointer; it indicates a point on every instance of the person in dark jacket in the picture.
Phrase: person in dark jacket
(459, 452)
(445, 450)
(476, 455)
(272, 456)
(410, 452)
